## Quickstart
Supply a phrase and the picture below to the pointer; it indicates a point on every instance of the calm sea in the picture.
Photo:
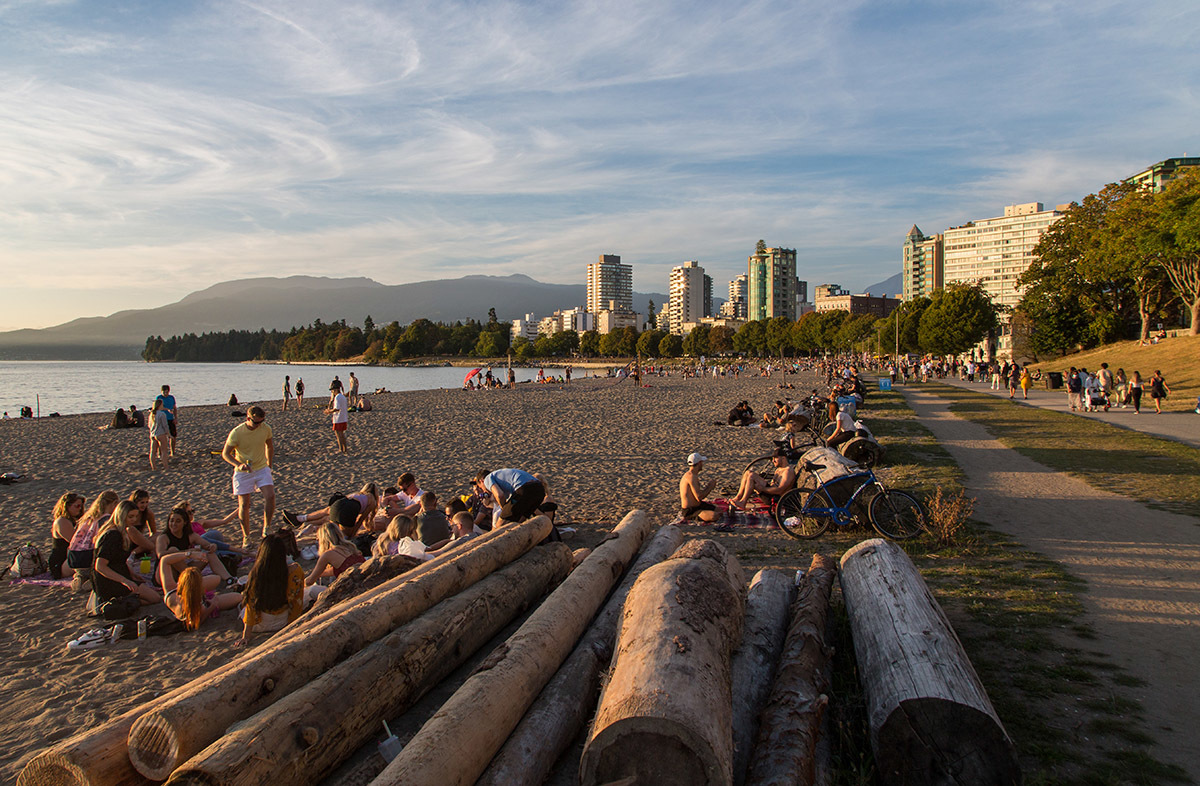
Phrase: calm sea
(70, 387)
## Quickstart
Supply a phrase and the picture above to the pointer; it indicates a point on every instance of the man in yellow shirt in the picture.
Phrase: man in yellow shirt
(250, 450)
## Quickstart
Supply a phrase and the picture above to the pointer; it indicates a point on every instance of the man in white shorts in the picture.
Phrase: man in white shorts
(250, 450)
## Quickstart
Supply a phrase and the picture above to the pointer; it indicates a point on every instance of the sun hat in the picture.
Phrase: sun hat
(696, 458)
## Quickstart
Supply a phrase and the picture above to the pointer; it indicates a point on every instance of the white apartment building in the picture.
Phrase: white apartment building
(527, 328)
(686, 296)
(735, 306)
(609, 280)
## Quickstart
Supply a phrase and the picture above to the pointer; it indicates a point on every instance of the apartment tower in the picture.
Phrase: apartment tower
(923, 264)
(686, 298)
(771, 283)
(608, 282)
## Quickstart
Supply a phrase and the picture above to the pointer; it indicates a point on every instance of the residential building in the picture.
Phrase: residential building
(686, 295)
(550, 325)
(735, 306)
(822, 292)
(609, 280)
(708, 298)
(923, 265)
(771, 283)
(865, 303)
(1157, 175)
(615, 317)
(712, 322)
(526, 327)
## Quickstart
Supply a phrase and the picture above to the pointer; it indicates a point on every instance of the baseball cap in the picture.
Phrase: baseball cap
(696, 458)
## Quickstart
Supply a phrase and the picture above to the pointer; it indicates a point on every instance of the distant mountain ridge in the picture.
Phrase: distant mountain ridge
(295, 301)
(889, 286)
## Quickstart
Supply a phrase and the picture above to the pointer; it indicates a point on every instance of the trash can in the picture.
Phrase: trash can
(1054, 380)
(885, 383)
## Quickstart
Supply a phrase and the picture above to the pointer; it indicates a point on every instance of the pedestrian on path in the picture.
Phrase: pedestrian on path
(1158, 391)
(1135, 392)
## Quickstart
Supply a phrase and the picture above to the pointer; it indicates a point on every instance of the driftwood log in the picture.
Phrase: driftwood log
(665, 715)
(304, 736)
(171, 732)
(94, 757)
(564, 706)
(454, 747)
(767, 605)
(930, 718)
(362, 578)
(786, 748)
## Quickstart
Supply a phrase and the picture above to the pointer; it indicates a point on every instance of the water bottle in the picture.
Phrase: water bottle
(147, 567)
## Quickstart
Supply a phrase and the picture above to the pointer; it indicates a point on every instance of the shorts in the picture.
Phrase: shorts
(340, 426)
(247, 482)
(523, 502)
(687, 513)
(171, 427)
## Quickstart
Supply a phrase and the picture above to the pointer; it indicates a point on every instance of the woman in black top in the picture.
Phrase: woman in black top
(1158, 391)
(111, 578)
(66, 515)
(178, 536)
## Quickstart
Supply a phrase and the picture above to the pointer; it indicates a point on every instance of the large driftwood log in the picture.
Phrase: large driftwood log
(454, 747)
(930, 718)
(665, 715)
(566, 703)
(94, 757)
(788, 735)
(172, 732)
(304, 736)
(767, 604)
(362, 578)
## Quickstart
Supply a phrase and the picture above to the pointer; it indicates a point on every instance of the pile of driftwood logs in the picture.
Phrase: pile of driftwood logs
(707, 682)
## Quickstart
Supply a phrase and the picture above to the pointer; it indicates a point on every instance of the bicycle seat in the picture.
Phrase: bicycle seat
(812, 466)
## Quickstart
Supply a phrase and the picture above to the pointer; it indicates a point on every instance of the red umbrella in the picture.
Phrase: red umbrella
(471, 374)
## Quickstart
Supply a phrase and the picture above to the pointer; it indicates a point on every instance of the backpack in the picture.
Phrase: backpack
(120, 608)
(27, 561)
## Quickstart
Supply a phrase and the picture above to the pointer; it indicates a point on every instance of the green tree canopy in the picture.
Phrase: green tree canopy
(958, 318)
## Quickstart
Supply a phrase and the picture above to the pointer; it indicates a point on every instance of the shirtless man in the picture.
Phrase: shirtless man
(781, 480)
(692, 494)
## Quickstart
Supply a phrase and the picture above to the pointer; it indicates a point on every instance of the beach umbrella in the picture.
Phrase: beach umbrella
(471, 374)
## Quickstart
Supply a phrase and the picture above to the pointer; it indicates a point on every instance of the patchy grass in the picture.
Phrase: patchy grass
(1158, 472)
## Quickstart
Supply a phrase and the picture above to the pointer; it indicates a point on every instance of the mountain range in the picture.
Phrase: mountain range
(295, 301)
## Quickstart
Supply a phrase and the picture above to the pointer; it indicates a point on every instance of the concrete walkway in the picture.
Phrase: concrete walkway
(1180, 426)
(1142, 566)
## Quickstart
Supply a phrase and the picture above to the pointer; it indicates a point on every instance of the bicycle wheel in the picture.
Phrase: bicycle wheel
(897, 515)
(793, 518)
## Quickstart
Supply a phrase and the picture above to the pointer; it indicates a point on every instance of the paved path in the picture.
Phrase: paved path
(1179, 426)
(1142, 567)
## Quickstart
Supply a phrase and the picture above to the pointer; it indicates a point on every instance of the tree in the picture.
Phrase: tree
(720, 340)
(648, 342)
(488, 345)
(908, 314)
(854, 330)
(779, 336)
(671, 346)
(760, 248)
(695, 343)
(958, 318)
(492, 321)
(651, 317)
(751, 338)
(589, 344)
(1179, 239)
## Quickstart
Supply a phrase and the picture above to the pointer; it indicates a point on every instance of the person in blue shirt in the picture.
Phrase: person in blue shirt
(168, 405)
(516, 494)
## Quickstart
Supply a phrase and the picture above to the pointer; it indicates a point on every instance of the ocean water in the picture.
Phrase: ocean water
(71, 387)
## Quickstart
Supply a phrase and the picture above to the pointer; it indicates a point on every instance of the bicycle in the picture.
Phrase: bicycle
(804, 513)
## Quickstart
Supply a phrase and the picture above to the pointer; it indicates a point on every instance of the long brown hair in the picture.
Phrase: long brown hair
(190, 591)
(147, 515)
(64, 502)
(266, 587)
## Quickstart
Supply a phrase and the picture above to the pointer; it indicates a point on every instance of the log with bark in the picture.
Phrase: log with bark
(171, 732)
(303, 737)
(785, 750)
(454, 747)
(94, 757)
(929, 716)
(665, 715)
(362, 578)
(564, 706)
(754, 662)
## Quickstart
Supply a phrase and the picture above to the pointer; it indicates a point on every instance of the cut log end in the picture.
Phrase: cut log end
(50, 771)
(936, 740)
(652, 750)
(154, 747)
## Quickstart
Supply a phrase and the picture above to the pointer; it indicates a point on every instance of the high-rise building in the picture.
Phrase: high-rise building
(609, 281)
(735, 306)
(771, 283)
(1157, 175)
(923, 264)
(708, 300)
(686, 297)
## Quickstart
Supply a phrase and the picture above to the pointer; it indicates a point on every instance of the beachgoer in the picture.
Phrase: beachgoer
(1158, 391)
(337, 554)
(400, 537)
(353, 385)
(1014, 380)
(178, 536)
(160, 434)
(81, 551)
(335, 387)
(340, 409)
(844, 428)
(299, 392)
(192, 599)
(111, 578)
(515, 492)
(250, 450)
(136, 419)
(120, 419)
(433, 527)
(287, 390)
(67, 512)
(407, 500)
(1074, 389)
(1121, 386)
(692, 494)
(367, 500)
(274, 594)
(1135, 392)
(782, 479)
(1026, 382)
(168, 403)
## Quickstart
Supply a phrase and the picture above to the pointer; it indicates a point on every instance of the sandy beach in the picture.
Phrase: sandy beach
(604, 446)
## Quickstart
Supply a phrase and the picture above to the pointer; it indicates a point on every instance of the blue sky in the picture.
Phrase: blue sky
(151, 149)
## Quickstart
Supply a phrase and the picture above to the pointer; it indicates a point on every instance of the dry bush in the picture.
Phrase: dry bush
(948, 514)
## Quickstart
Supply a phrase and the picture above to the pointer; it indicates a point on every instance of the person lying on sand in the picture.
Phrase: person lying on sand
(367, 499)
(179, 537)
(692, 494)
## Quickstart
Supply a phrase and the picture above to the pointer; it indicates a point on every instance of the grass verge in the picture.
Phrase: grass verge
(1158, 472)
(1176, 357)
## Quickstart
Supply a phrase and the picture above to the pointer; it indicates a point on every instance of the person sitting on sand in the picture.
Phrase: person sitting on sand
(400, 537)
(367, 499)
(81, 551)
(274, 594)
(136, 418)
(782, 479)
(192, 599)
(111, 578)
(120, 419)
(178, 536)
(692, 494)
(462, 525)
(740, 415)
(336, 554)
(206, 528)
(67, 512)
(145, 528)
(433, 527)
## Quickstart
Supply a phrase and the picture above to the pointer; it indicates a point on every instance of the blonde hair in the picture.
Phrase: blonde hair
(101, 503)
(117, 521)
(398, 528)
(330, 537)
(464, 521)
(190, 591)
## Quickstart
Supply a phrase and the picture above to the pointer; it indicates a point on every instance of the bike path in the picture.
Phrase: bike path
(1142, 566)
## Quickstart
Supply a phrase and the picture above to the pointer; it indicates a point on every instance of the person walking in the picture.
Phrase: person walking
(250, 450)
(159, 434)
(168, 404)
(340, 409)
(1158, 391)
(299, 392)
(1026, 382)
(287, 391)
(1135, 392)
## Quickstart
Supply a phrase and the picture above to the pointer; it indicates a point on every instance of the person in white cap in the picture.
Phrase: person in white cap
(692, 494)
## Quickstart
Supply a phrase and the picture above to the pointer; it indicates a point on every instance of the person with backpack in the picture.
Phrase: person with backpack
(81, 550)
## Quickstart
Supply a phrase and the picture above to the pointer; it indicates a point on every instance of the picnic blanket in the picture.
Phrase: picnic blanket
(755, 518)
(42, 580)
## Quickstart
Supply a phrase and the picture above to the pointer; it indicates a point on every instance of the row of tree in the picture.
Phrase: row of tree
(1121, 258)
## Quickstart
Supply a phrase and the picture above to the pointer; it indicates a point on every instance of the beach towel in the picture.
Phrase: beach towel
(757, 517)
(42, 580)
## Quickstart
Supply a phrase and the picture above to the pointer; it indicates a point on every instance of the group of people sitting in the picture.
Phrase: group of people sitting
(131, 419)
(119, 548)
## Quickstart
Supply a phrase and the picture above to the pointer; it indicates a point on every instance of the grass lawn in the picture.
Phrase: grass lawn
(1178, 359)
(1159, 472)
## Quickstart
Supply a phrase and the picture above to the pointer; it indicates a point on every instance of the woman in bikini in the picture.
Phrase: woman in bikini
(192, 599)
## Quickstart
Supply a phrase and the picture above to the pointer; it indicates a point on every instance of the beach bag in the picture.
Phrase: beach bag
(27, 561)
(120, 608)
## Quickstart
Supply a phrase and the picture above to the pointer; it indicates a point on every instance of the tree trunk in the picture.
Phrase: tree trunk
(172, 732)
(786, 751)
(361, 578)
(304, 736)
(930, 718)
(566, 703)
(767, 602)
(1195, 329)
(455, 746)
(665, 715)
(95, 757)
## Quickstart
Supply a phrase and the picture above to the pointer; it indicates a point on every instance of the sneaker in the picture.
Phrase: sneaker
(90, 640)
(291, 519)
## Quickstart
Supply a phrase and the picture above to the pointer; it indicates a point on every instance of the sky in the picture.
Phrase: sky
(151, 149)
